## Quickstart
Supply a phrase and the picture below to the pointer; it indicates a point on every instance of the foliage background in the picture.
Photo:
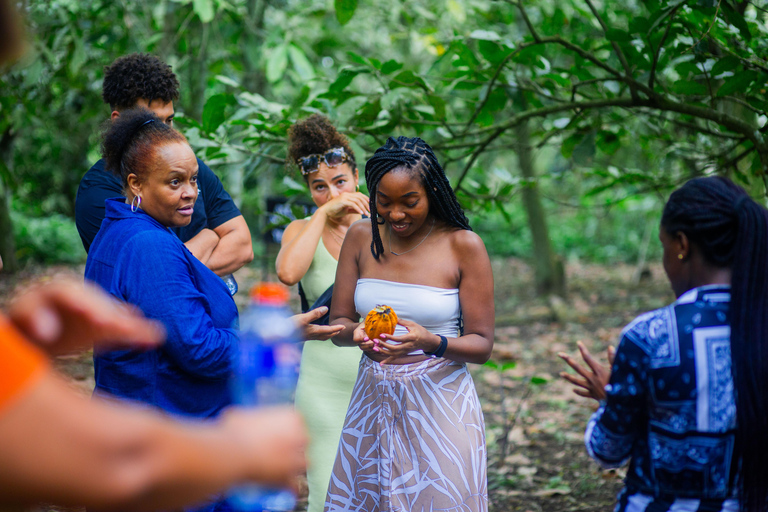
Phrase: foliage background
(562, 125)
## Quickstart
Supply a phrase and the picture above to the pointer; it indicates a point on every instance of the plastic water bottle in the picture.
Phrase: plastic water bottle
(265, 372)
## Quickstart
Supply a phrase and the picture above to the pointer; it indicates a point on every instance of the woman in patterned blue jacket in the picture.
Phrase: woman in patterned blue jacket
(685, 398)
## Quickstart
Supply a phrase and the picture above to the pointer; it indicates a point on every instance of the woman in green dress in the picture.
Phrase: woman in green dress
(309, 254)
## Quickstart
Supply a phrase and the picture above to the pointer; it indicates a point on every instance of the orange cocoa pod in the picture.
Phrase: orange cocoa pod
(380, 320)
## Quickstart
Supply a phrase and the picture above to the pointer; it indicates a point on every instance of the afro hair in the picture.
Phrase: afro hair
(315, 135)
(137, 76)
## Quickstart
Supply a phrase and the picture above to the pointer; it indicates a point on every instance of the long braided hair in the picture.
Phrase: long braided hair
(414, 154)
(732, 231)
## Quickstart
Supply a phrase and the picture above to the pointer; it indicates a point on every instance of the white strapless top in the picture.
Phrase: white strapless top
(436, 309)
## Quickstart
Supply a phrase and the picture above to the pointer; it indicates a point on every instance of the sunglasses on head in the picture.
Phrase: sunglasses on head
(332, 158)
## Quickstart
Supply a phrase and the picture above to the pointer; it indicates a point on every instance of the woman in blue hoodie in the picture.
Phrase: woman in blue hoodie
(136, 258)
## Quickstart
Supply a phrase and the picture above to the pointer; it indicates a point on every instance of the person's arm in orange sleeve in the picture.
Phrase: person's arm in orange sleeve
(59, 446)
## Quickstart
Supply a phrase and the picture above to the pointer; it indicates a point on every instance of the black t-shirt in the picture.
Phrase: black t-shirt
(213, 207)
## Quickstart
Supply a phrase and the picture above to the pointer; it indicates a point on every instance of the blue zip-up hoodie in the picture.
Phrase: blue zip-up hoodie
(141, 262)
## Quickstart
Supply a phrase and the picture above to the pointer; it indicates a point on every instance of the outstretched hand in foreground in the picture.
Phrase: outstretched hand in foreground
(594, 378)
(66, 315)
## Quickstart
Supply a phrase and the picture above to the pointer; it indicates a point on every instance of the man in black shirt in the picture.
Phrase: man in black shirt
(217, 235)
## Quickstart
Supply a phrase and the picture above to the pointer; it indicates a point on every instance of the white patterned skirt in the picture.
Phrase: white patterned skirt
(413, 441)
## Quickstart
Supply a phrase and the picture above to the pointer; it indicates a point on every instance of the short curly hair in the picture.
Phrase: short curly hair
(137, 76)
(315, 135)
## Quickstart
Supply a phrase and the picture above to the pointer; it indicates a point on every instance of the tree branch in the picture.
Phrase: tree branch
(587, 82)
(476, 154)
(616, 49)
(694, 127)
(657, 53)
(526, 19)
(489, 89)
(733, 162)
(744, 104)
(714, 19)
(763, 9)
(732, 123)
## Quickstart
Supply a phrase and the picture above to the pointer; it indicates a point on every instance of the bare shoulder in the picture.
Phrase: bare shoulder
(467, 243)
(360, 230)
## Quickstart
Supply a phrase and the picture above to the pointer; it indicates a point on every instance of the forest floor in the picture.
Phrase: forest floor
(534, 422)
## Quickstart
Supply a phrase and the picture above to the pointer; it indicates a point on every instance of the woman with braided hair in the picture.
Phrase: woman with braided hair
(686, 396)
(414, 437)
(309, 253)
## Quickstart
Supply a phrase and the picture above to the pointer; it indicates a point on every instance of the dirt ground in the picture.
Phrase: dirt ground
(534, 422)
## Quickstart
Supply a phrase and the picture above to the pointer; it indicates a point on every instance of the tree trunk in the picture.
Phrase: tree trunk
(254, 79)
(170, 26)
(549, 270)
(197, 70)
(7, 243)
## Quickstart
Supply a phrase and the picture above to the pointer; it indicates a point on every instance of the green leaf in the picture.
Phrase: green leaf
(538, 381)
(214, 111)
(302, 97)
(358, 59)
(529, 56)
(692, 88)
(553, 24)
(559, 80)
(687, 69)
(759, 103)
(343, 80)
(408, 79)
(301, 64)
(570, 143)
(484, 118)
(466, 85)
(727, 63)
(227, 81)
(737, 20)
(491, 364)
(204, 10)
(78, 57)
(368, 113)
(639, 25)
(738, 83)
(390, 67)
(345, 9)
(509, 365)
(492, 52)
(439, 105)
(614, 34)
(497, 100)
(486, 35)
(607, 142)
(457, 10)
(277, 63)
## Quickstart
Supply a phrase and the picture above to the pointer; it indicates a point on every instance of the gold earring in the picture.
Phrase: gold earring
(679, 256)
(357, 188)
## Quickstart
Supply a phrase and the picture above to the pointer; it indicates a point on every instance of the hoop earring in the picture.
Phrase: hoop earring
(357, 188)
(380, 219)
(135, 204)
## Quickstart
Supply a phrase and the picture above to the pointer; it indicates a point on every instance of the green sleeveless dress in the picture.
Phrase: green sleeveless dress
(326, 378)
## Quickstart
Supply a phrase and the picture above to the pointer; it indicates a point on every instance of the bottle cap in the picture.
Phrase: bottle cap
(270, 293)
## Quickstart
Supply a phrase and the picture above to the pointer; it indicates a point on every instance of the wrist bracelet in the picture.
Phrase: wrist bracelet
(441, 349)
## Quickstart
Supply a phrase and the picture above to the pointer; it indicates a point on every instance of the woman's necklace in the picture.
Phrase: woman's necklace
(339, 239)
(412, 248)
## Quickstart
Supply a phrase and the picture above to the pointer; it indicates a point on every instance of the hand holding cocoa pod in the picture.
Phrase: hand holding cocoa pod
(380, 320)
